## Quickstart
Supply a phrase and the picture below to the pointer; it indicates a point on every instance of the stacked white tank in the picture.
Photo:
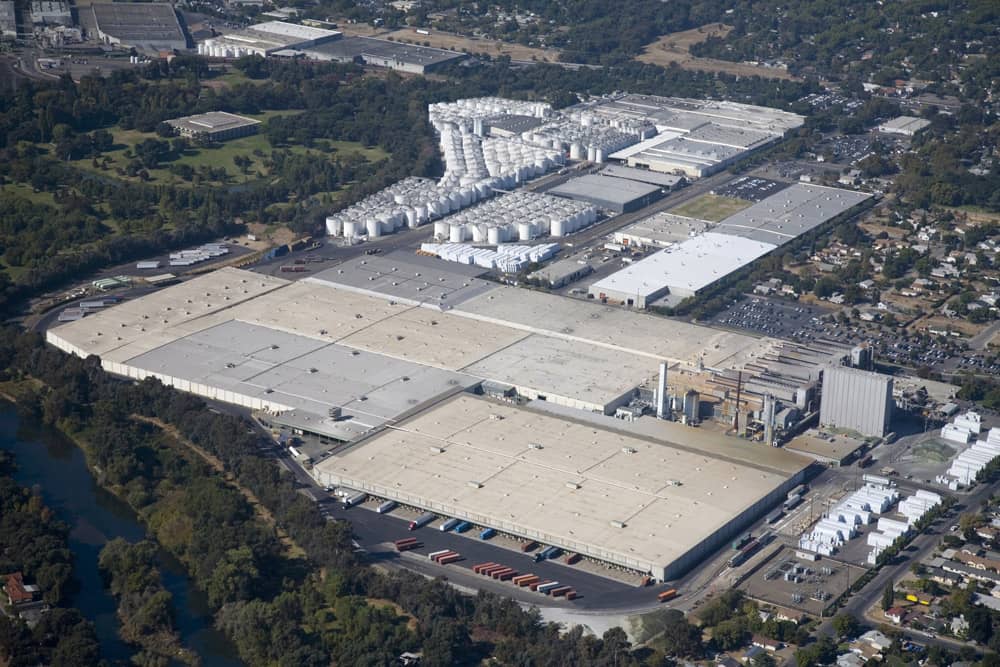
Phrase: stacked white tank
(408, 203)
(506, 258)
(519, 216)
(512, 161)
(585, 137)
(472, 114)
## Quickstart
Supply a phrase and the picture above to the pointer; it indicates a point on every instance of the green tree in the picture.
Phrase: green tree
(845, 625)
(888, 597)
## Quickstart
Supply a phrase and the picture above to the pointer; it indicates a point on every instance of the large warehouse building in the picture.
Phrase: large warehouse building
(264, 39)
(690, 266)
(651, 506)
(618, 195)
(215, 125)
(147, 26)
(383, 53)
(857, 400)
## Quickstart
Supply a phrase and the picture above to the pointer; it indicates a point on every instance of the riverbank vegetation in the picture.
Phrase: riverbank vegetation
(34, 542)
(145, 607)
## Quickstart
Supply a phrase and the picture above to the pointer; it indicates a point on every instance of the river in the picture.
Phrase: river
(49, 461)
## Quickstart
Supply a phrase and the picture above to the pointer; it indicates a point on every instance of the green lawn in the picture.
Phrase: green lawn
(221, 155)
(25, 191)
(711, 207)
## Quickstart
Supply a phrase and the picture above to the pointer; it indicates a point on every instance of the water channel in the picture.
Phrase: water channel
(46, 460)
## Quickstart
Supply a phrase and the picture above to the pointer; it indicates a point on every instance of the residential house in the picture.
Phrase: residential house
(895, 614)
(766, 643)
(876, 640)
(17, 591)
(850, 660)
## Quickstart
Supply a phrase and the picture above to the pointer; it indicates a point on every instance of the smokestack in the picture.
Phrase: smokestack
(768, 419)
(662, 407)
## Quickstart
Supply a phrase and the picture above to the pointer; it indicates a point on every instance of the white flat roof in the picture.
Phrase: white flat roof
(691, 265)
(285, 29)
(556, 479)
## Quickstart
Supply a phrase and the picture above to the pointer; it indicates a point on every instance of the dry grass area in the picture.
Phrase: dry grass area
(939, 322)
(294, 550)
(492, 48)
(411, 621)
(711, 207)
(676, 48)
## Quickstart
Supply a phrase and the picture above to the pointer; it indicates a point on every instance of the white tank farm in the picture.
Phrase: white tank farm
(374, 228)
(456, 233)
(334, 226)
(441, 229)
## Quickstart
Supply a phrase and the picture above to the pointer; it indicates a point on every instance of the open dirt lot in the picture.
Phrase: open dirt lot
(492, 48)
(675, 48)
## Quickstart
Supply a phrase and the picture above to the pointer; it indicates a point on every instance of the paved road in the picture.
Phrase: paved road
(980, 340)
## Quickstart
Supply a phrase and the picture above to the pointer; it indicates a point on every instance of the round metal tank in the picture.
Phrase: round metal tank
(333, 226)
(576, 151)
(478, 233)
(525, 231)
(374, 228)
(466, 196)
(441, 229)
(592, 153)
(456, 233)
(444, 205)
(599, 155)
(350, 229)
(557, 228)
(421, 212)
(411, 217)
(493, 235)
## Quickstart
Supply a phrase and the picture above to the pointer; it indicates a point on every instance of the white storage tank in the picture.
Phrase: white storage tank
(557, 228)
(350, 229)
(441, 229)
(456, 233)
(478, 233)
(525, 231)
(374, 228)
(333, 226)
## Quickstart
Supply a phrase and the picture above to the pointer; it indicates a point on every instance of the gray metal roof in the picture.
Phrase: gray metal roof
(594, 187)
(351, 47)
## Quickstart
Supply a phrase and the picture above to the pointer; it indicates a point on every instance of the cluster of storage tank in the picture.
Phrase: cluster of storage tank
(841, 522)
(967, 465)
(408, 203)
(506, 258)
(512, 162)
(519, 216)
(585, 139)
(471, 113)
(219, 49)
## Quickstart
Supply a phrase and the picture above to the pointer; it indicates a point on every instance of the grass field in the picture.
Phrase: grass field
(675, 49)
(711, 207)
(221, 155)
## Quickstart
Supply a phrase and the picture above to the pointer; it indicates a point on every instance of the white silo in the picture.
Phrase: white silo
(456, 233)
(599, 155)
(374, 228)
(350, 229)
(493, 235)
(576, 151)
(333, 225)
(441, 229)
(478, 233)
(411, 217)
(592, 153)
(525, 231)
(557, 228)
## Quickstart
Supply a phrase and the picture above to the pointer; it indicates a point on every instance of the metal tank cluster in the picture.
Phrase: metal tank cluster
(476, 167)
(519, 216)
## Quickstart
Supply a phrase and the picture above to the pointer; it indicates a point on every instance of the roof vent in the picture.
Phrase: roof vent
(618, 524)
(535, 445)
(572, 485)
(629, 450)
(437, 450)
(475, 485)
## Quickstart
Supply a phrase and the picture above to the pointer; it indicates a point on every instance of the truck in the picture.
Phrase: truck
(560, 591)
(571, 558)
(356, 499)
(546, 587)
(792, 502)
(865, 461)
(462, 526)
(448, 525)
(547, 553)
(571, 594)
(798, 491)
(667, 595)
(387, 506)
(422, 520)
(740, 541)
(530, 545)
(526, 580)
(537, 584)
(478, 569)
(434, 555)
(487, 534)
(450, 558)
(406, 544)
(775, 515)
(504, 576)
(496, 574)
(490, 569)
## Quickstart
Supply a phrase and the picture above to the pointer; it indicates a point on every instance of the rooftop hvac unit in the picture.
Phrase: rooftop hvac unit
(572, 485)
(437, 450)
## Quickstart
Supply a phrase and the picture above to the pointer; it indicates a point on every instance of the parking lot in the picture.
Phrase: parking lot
(750, 188)
(784, 319)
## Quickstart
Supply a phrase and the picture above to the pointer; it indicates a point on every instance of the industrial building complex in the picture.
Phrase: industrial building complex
(406, 340)
(856, 400)
(265, 39)
(687, 266)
